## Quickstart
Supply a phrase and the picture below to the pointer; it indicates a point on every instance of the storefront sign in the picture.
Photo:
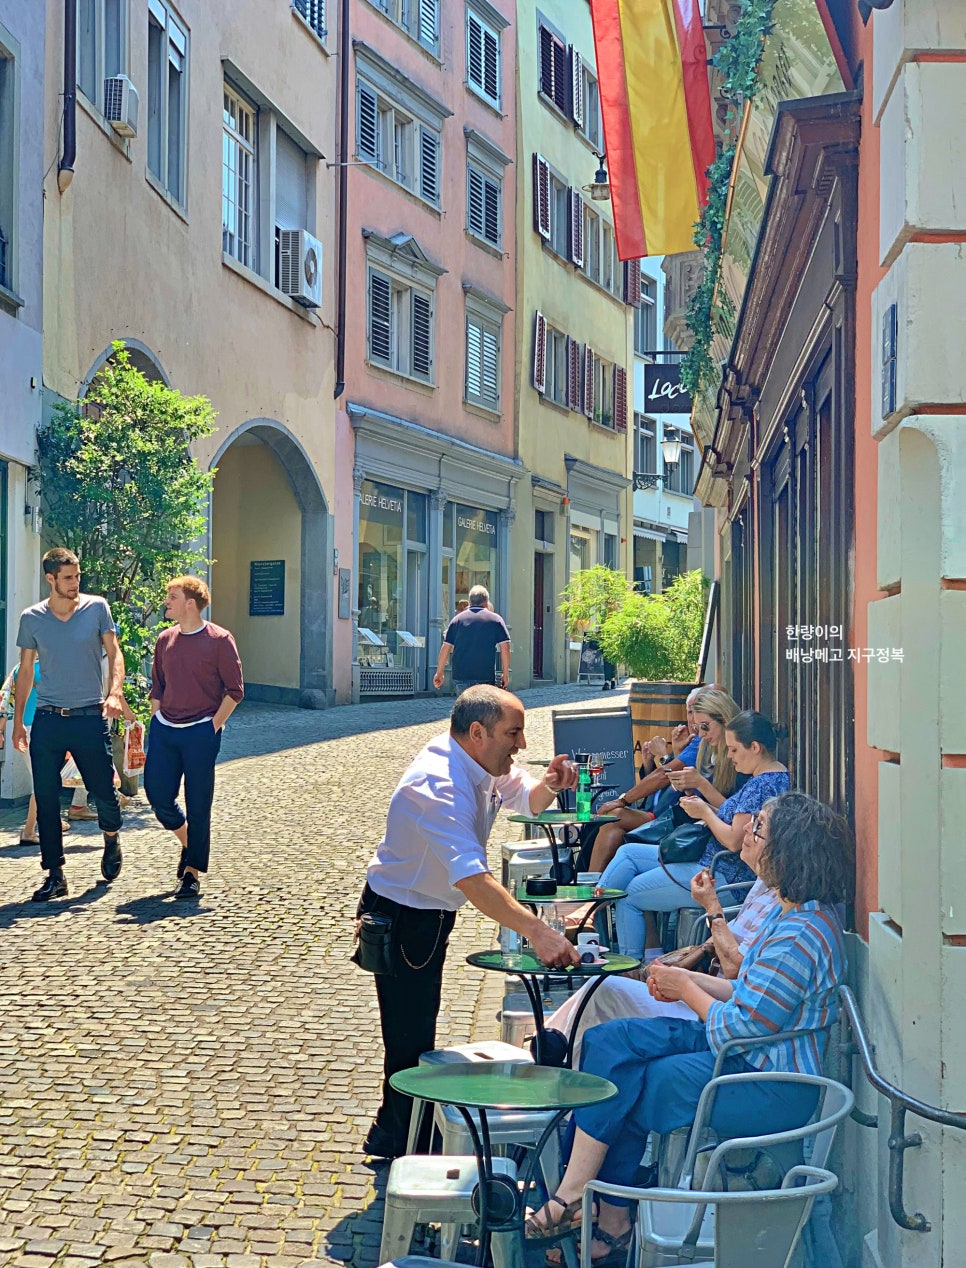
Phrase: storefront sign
(266, 591)
(475, 525)
(664, 393)
(374, 495)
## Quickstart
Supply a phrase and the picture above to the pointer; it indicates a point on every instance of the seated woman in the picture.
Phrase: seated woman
(788, 980)
(653, 886)
(630, 997)
(710, 772)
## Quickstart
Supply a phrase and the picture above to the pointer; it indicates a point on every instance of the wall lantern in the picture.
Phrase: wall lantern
(599, 188)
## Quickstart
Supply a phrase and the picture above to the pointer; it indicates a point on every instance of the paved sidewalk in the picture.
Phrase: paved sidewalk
(188, 1085)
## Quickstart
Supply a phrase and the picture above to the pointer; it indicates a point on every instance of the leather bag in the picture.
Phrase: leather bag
(373, 951)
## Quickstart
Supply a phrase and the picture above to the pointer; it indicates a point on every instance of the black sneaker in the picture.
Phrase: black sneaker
(55, 886)
(190, 887)
(112, 858)
(182, 862)
(380, 1144)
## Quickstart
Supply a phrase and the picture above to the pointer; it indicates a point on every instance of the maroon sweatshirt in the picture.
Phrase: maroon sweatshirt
(192, 673)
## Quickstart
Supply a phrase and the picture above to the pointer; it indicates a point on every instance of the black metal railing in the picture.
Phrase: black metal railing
(900, 1103)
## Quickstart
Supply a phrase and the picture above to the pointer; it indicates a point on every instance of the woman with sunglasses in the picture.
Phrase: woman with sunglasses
(788, 980)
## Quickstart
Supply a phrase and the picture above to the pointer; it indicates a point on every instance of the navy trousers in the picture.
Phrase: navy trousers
(87, 737)
(183, 753)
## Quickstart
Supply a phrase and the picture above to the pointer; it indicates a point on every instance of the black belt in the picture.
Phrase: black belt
(88, 711)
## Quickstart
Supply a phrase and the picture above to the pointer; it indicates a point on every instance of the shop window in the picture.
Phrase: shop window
(610, 551)
(472, 534)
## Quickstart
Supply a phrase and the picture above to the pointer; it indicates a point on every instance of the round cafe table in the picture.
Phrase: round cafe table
(591, 894)
(550, 819)
(502, 1085)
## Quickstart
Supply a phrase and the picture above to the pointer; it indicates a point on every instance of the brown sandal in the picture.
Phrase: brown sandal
(554, 1228)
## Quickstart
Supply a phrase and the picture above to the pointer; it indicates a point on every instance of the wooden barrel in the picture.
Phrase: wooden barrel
(656, 709)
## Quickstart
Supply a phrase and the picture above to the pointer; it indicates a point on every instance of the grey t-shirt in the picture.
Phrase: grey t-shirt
(69, 651)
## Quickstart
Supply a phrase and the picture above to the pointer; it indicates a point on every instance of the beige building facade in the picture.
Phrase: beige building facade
(196, 225)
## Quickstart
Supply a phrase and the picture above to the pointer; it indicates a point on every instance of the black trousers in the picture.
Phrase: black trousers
(409, 999)
(188, 753)
(88, 740)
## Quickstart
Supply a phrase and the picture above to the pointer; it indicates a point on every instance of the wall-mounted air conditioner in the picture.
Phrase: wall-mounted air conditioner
(121, 105)
(300, 267)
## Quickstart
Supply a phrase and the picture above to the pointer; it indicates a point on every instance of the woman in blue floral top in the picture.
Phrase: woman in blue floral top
(751, 741)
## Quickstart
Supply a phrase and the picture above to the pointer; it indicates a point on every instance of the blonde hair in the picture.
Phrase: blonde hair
(193, 588)
(717, 704)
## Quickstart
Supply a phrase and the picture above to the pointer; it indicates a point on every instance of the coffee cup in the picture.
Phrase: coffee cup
(588, 939)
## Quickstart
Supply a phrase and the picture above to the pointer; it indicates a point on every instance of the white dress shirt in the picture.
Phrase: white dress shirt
(439, 820)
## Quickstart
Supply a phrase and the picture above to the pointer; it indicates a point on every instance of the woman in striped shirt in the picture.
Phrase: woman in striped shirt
(787, 981)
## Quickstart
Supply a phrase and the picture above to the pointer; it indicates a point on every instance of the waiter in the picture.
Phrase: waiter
(431, 860)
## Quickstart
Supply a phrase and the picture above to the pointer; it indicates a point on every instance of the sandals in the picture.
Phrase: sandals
(617, 1248)
(554, 1228)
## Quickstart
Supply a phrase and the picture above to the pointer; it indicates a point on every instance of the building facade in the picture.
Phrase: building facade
(574, 305)
(22, 38)
(195, 223)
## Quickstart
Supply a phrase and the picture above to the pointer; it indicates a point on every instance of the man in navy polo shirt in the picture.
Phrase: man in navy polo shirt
(472, 639)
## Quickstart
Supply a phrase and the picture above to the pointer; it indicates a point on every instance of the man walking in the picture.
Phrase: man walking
(432, 859)
(69, 632)
(472, 637)
(196, 682)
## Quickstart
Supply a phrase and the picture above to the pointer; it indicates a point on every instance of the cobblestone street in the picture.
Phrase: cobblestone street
(188, 1085)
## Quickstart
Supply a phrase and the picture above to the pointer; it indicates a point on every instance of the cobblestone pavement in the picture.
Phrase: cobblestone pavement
(188, 1085)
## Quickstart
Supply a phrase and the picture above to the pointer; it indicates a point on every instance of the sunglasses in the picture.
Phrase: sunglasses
(705, 727)
(756, 823)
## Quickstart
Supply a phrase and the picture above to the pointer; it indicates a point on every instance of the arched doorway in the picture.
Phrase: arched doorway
(270, 583)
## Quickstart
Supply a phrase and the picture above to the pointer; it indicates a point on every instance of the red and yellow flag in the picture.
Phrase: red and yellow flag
(656, 106)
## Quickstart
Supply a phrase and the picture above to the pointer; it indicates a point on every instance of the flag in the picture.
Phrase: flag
(653, 77)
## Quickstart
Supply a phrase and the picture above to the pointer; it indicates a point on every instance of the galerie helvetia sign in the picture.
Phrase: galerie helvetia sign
(664, 393)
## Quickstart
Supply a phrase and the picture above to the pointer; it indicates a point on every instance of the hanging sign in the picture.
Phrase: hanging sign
(664, 393)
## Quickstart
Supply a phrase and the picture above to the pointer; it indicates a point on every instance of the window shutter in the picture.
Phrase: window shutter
(429, 22)
(540, 352)
(474, 52)
(429, 165)
(573, 374)
(541, 196)
(474, 360)
(367, 141)
(576, 87)
(380, 318)
(490, 349)
(620, 398)
(291, 211)
(422, 319)
(546, 62)
(576, 228)
(632, 284)
(589, 393)
(476, 201)
(491, 65)
(491, 212)
(560, 76)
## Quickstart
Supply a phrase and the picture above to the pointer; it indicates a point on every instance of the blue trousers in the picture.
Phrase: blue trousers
(188, 753)
(635, 869)
(661, 1066)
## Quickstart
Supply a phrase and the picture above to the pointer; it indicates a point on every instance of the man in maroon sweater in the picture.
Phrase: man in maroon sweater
(196, 682)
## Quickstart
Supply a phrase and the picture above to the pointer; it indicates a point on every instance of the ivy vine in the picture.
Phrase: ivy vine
(738, 60)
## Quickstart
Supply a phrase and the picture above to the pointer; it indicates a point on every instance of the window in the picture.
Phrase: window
(101, 45)
(543, 526)
(418, 18)
(646, 448)
(167, 99)
(399, 132)
(609, 265)
(591, 126)
(483, 69)
(603, 392)
(482, 385)
(679, 476)
(8, 167)
(556, 388)
(645, 319)
(400, 306)
(592, 244)
(559, 216)
(238, 179)
(610, 551)
(484, 187)
(291, 191)
(553, 68)
(313, 11)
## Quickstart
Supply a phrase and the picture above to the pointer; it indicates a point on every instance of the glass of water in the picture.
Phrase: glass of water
(511, 948)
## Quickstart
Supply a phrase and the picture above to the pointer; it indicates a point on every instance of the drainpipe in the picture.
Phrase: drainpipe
(343, 197)
(65, 169)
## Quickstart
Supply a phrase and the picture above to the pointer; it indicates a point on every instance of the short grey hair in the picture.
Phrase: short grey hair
(479, 597)
(482, 703)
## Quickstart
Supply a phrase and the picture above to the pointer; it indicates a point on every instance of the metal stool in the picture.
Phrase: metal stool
(486, 1050)
(520, 859)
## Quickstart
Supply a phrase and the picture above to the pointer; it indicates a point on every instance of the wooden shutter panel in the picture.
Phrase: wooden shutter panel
(546, 62)
(632, 283)
(620, 398)
(429, 22)
(491, 212)
(491, 65)
(540, 352)
(429, 165)
(576, 87)
(573, 374)
(474, 360)
(422, 321)
(367, 140)
(589, 394)
(490, 368)
(380, 318)
(560, 92)
(475, 201)
(541, 196)
(576, 227)
(474, 51)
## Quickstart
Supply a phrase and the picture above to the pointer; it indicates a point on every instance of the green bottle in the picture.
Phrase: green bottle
(585, 794)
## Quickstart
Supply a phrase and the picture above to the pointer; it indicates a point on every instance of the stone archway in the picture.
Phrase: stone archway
(142, 358)
(268, 505)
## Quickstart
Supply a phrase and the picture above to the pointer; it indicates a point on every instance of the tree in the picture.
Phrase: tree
(658, 637)
(590, 596)
(120, 488)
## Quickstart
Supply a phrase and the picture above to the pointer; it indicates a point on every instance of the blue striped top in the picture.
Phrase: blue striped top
(787, 981)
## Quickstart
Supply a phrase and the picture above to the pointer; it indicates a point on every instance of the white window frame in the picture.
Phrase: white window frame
(418, 18)
(234, 141)
(490, 23)
(592, 127)
(175, 45)
(99, 11)
(611, 275)
(557, 373)
(645, 434)
(604, 393)
(591, 244)
(645, 317)
(484, 316)
(409, 274)
(559, 240)
(9, 161)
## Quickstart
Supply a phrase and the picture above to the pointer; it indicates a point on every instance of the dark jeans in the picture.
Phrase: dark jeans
(88, 740)
(408, 999)
(188, 753)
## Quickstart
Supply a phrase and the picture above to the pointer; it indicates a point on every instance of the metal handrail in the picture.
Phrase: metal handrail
(900, 1103)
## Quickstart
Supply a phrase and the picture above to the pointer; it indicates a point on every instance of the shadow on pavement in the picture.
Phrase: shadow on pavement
(154, 907)
(10, 913)
(355, 1239)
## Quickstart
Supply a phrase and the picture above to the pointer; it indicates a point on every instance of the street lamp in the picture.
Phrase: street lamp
(599, 188)
(671, 447)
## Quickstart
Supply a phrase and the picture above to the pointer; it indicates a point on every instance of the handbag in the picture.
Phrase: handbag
(685, 843)
(697, 958)
(373, 951)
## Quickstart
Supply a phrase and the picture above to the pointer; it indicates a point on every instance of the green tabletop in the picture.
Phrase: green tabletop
(560, 816)
(527, 962)
(569, 894)
(503, 1085)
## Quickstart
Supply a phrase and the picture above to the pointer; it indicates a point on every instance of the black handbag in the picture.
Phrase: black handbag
(374, 943)
(685, 843)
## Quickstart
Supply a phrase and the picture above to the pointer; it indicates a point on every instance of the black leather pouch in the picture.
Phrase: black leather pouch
(374, 951)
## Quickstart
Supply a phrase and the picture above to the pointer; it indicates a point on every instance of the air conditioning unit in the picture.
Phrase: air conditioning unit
(300, 267)
(121, 105)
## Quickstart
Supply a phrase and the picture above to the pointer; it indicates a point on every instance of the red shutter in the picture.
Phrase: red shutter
(589, 401)
(541, 196)
(576, 87)
(540, 352)
(620, 398)
(573, 374)
(632, 284)
(576, 227)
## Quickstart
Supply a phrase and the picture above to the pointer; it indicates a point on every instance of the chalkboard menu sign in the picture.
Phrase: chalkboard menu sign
(266, 592)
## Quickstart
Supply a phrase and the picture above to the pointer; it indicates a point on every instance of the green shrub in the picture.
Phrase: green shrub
(659, 636)
(591, 596)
